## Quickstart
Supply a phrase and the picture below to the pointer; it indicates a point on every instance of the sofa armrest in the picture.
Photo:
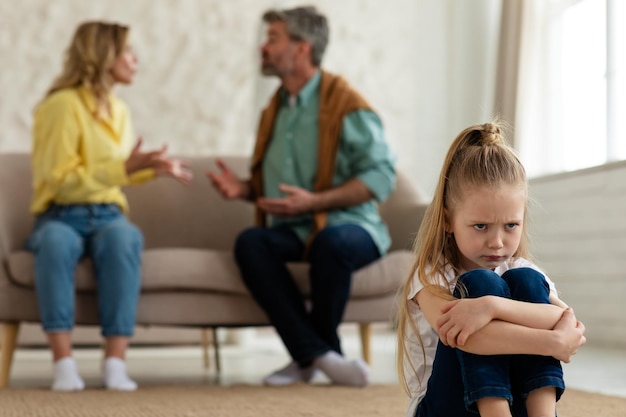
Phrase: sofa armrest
(403, 212)
(15, 193)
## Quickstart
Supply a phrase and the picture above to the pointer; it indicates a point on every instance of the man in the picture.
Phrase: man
(319, 165)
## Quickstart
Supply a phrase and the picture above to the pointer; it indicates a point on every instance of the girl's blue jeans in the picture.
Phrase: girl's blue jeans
(62, 235)
(459, 379)
(335, 252)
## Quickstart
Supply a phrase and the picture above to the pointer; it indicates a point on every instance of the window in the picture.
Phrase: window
(573, 110)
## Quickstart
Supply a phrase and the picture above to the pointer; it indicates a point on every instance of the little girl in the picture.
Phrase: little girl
(481, 329)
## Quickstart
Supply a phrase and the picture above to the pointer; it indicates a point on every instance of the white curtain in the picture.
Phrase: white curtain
(507, 74)
(523, 84)
(534, 119)
(557, 93)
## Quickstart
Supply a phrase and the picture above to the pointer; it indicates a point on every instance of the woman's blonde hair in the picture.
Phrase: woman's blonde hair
(478, 157)
(88, 60)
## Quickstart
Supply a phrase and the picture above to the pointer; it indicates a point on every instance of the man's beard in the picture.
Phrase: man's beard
(269, 70)
(281, 67)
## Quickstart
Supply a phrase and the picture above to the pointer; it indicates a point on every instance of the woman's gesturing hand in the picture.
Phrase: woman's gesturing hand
(159, 162)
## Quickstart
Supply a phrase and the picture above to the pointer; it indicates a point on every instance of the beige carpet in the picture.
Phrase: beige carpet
(252, 401)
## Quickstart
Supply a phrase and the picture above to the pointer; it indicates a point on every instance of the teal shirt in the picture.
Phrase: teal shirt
(363, 153)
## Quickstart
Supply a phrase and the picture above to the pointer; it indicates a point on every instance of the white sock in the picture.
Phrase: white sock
(66, 376)
(354, 373)
(290, 374)
(115, 377)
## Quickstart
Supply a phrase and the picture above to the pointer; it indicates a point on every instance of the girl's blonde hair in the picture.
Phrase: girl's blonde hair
(88, 60)
(478, 157)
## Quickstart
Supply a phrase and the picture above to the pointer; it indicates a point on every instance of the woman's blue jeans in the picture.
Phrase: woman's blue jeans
(64, 234)
(336, 251)
(459, 379)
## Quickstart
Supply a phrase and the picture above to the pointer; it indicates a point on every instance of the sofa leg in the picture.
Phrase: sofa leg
(365, 329)
(205, 348)
(9, 341)
(216, 349)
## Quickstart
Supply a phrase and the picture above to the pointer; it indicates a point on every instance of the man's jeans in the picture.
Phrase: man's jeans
(459, 379)
(64, 234)
(336, 251)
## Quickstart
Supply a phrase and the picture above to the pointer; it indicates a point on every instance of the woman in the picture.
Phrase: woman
(82, 154)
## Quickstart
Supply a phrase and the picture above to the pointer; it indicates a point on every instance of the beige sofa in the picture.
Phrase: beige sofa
(189, 277)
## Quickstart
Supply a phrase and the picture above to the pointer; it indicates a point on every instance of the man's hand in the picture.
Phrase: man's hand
(226, 182)
(296, 201)
(570, 336)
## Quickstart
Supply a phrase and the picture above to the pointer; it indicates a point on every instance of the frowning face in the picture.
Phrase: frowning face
(487, 225)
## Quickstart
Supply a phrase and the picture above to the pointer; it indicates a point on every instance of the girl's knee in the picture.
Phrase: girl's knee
(527, 284)
(480, 282)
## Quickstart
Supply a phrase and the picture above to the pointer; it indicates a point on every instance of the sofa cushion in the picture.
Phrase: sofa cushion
(187, 269)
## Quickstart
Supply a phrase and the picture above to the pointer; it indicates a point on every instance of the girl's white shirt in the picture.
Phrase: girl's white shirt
(417, 379)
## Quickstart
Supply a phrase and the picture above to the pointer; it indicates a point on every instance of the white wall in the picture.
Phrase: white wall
(426, 65)
(578, 229)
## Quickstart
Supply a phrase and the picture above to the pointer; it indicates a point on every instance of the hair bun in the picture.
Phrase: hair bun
(492, 134)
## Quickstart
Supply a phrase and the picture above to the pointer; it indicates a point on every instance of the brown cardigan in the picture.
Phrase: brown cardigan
(337, 99)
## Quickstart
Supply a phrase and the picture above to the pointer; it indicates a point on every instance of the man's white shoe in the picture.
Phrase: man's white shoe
(290, 374)
(341, 371)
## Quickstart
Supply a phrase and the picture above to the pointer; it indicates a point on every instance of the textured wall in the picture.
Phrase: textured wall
(578, 233)
(198, 87)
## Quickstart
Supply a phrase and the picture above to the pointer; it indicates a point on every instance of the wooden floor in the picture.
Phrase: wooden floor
(257, 352)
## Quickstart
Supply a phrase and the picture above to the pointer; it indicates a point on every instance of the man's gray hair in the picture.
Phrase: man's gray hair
(303, 24)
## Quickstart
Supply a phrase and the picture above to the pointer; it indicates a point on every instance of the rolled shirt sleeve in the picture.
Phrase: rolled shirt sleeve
(365, 154)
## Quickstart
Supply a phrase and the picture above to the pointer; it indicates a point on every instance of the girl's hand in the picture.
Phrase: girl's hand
(570, 336)
(462, 318)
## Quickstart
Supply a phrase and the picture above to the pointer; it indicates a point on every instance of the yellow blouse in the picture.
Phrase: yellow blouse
(78, 158)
